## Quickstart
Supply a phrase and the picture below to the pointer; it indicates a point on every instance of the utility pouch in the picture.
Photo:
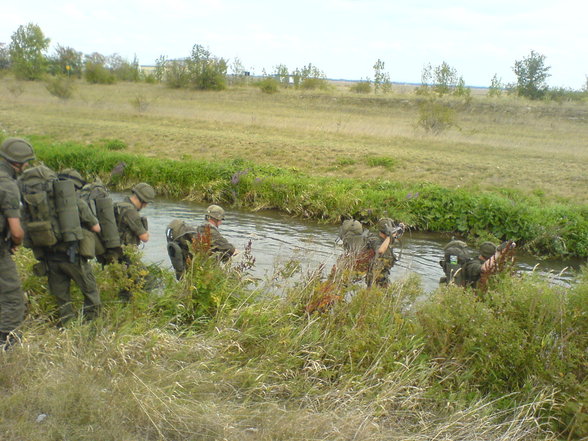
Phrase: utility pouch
(38, 205)
(41, 234)
(98, 245)
(87, 244)
(40, 269)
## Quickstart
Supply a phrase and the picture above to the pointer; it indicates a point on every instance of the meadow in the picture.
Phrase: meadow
(215, 357)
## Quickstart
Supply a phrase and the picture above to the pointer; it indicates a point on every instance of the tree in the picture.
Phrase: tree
(381, 78)
(122, 69)
(207, 72)
(66, 61)
(495, 88)
(95, 70)
(4, 57)
(27, 52)
(531, 73)
(282, 75)
(445, 79)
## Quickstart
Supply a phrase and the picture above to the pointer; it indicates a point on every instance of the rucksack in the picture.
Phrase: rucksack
(96, 195)
(50, 210)
(456, 256)
(179, 234)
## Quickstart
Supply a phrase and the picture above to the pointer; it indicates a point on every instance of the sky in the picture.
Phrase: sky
(342, 38)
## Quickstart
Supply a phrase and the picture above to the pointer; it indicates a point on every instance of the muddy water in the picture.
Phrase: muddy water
(277, 238)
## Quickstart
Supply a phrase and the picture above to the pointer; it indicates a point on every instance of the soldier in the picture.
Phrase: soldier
(383, 259)
(65, 245)
(16, 154)
(132, 227)
(208, 231)
(474, 268)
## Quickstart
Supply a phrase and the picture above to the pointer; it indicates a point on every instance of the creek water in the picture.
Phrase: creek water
(278, 238)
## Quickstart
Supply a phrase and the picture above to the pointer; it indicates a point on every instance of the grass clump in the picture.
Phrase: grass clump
(381, 161)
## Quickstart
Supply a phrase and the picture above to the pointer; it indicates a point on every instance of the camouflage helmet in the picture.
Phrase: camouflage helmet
(487, 250)
(17, 150)
(144, 192)
(455, 243)
(216, 212)
(74, 175)
(350, 226)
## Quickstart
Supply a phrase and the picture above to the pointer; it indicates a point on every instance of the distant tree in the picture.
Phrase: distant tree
(4, 57)
(207, 72)
(66, 61)
(282, 75)
(160, 66)
(27, 52)
(445, 79)
(177, 75)
(496, 87)
(238, 72)
(309, 77)
(462, 90)
(381, 78)
(122, 69)
(585, 88)
(531, 73)
(96, 70)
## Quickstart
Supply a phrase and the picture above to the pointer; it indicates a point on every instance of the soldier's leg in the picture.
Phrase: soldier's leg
(83, 275)
(12, 306)
(59, 283)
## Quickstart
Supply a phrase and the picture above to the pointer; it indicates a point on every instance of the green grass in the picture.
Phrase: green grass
(203, 360)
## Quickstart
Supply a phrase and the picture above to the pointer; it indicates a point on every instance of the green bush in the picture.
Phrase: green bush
(97, 73)
(435, 116)
(361, 87)
(268, 85)
(61, 87)
(113, 144)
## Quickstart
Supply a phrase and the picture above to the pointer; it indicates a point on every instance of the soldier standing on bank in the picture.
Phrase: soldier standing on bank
(208, 232)
(133, 228)
(16, 154)
(59, 228)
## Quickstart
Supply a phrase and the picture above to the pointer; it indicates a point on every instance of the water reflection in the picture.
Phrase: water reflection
(277, 238)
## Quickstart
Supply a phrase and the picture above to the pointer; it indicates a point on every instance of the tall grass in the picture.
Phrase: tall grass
(547, 229)
(210, 357)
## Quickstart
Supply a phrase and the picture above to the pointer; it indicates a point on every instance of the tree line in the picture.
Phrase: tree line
(26, 57)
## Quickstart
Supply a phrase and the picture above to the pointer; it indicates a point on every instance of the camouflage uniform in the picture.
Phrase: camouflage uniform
(63, 267)
(219, 246)
(380, 265)
(12, 306)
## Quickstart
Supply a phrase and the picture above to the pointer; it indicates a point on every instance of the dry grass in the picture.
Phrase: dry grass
(86, 384)
(533, 147)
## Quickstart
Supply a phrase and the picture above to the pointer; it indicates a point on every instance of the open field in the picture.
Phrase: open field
(536, 148)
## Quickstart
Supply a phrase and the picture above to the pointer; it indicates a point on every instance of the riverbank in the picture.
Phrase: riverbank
(211, 357)
(542, 227)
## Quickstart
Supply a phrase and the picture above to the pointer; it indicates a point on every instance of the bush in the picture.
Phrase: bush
(140, 103)
(435, 116)
(268, 85)
(96, 73)
(361, 87)
(314, 84)
(60, 87)
(113, 144)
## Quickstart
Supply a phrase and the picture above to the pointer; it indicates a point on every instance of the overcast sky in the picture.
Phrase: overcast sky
(343, 38)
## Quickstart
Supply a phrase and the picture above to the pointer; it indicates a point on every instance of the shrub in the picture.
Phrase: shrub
(60, 87)
(96, 73)
(140, 103)
(361, 87)
(314, 83)
(268, 85)
(435, 116)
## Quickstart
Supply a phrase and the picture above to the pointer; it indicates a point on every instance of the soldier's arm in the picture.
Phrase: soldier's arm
(133, 220)
(16, 231)
(87, 218)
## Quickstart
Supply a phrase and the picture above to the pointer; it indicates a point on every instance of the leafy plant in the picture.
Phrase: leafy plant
(61, 87)
(435, 116)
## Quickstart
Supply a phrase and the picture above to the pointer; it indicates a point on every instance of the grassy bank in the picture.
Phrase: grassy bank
(210, 358)
(536, 148)
(543, 227)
